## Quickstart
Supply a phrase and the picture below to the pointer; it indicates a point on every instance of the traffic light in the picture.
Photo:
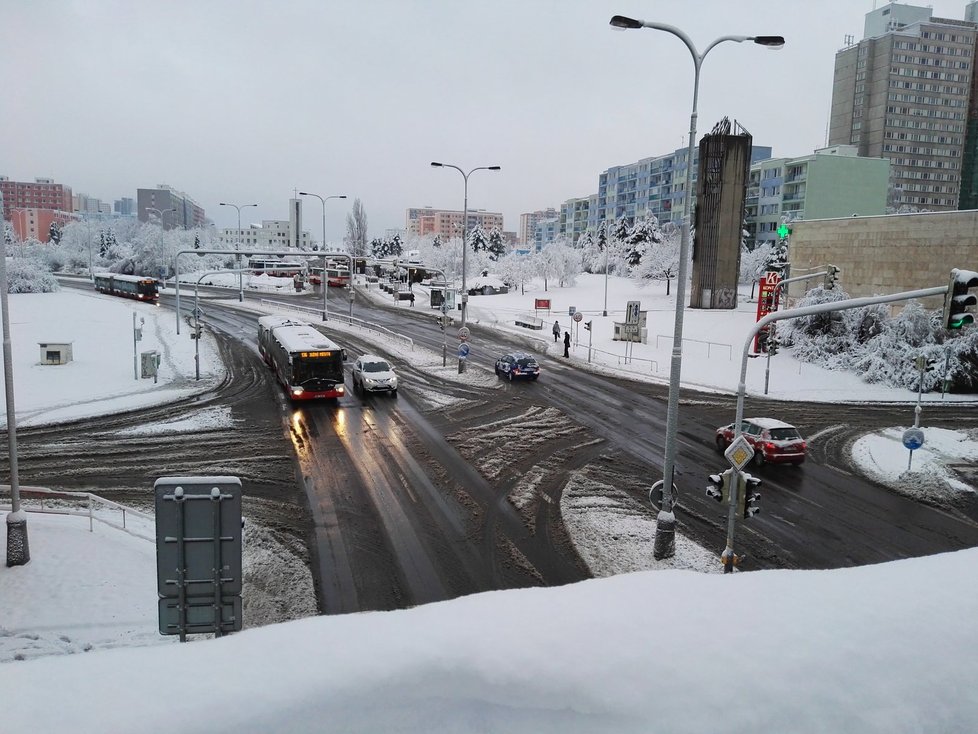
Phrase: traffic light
(831, 276)
(958, 299)
(747, 496)
(587, 325)
(719, 488)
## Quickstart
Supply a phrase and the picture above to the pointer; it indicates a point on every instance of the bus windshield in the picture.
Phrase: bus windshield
(325, 369)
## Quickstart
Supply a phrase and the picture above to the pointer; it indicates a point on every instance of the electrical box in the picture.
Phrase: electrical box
(150, 363)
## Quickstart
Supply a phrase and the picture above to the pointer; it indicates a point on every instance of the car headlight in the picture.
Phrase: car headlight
(297, 391)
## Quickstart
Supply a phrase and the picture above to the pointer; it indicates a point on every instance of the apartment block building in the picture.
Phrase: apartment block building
(447, 223)
(184, 211)
(831, 182)
(905, 92)
(31, 207)
(528, 224)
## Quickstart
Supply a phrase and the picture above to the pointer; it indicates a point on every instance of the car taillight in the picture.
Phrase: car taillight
(803, 446)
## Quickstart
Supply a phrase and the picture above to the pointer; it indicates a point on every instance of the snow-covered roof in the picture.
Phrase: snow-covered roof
(769, 423)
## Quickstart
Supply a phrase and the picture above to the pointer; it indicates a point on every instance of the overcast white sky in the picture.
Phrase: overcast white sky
(247, 101)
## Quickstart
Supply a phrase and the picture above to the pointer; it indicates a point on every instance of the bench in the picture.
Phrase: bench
(530, 322)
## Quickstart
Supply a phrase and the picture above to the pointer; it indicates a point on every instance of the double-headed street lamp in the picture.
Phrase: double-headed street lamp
(237, 247)
(324, 283)
(161, 215)
(465, 218)
(665, 540)
(323, 199)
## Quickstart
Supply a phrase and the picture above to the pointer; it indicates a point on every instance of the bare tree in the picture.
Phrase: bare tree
(356, 230)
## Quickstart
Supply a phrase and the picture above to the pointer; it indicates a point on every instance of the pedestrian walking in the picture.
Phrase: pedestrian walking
(566, 343)
(412, 299)
(556, 331)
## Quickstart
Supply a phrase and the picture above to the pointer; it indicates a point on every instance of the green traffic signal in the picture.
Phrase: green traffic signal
(957, 300)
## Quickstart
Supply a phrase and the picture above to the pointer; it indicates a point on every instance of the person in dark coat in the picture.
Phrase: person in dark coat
(411, 299)
(566, 343)
(556, 331)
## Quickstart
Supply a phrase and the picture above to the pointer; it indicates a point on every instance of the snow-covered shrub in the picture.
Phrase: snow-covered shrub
(882, 349)
(27, 275)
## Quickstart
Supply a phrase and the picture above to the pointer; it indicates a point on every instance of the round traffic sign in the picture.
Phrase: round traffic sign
(463, 333)
(913, 438)
(463, 350)
(578, 316)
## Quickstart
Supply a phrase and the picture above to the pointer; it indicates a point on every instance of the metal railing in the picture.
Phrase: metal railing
(709, 345)
(624, 359)
(349, 320)
(85, 504)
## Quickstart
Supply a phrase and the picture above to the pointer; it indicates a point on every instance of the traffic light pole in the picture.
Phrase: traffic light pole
(738, 476)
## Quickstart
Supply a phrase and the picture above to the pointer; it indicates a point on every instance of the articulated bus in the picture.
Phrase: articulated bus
(128, 286)
(308, 364)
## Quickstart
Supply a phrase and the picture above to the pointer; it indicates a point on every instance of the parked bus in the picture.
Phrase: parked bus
(139, 287)
(308, 364)
(274, 267)
(338, 276)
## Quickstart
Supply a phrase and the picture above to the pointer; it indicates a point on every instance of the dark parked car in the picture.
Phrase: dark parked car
(518, 366)
(773, 441)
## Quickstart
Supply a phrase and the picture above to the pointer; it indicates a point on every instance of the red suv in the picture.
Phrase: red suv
(773, 441)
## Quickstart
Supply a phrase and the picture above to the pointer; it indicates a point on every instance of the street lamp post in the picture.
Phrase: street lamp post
(324, 283)
(465, 222)
(237, 247)
(162, 226)
(665, 540)
(18, 549)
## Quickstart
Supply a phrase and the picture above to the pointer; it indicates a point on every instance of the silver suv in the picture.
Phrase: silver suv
(372, 373)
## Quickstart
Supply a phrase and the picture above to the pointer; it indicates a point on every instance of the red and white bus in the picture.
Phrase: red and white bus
(307, 363)
(338, 276)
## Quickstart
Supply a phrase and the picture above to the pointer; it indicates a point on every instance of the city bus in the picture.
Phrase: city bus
(307, 363)
(338, 276)
(139, 287)
(274, 267)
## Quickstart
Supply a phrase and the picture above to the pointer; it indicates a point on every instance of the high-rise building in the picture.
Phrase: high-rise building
(447, 223)
(186, 213)
(528, 224)
(903, 93)
(124, 207)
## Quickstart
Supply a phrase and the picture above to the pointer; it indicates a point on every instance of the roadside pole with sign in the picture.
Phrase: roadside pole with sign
(633, 314)
(463, 348)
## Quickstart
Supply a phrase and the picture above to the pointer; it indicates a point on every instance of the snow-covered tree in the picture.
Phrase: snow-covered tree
(356, 230)
(495, 246)
(54, 233)
(640, 239)
(394, 246)
(29, 275)
(478, 240)
(753, 263)
(661, 260)
(515, 270)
